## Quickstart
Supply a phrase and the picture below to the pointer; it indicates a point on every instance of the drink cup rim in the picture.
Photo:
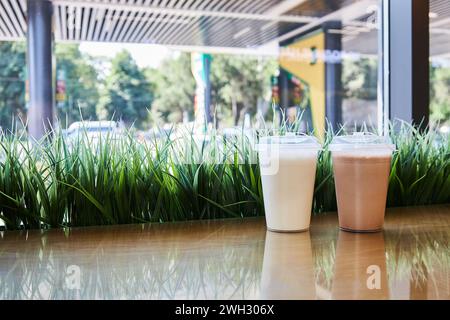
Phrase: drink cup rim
(365, 141)
(300, 141)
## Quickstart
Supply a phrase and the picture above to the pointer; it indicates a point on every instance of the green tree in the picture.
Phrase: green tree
(174, 88)
(12, 83)
(238, 82)
(440, 94)
(126, 93)
(81, 84)
(359, 79)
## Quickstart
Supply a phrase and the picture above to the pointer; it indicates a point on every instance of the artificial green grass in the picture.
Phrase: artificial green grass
(58, 183)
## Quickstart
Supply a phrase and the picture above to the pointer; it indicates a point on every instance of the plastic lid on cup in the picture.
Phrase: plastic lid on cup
(361, 140)
(291, 140)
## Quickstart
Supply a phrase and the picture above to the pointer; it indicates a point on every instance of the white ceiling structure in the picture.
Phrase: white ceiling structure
(440, 28)
(229, 26)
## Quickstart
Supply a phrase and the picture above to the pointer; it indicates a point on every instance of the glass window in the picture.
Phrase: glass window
(440, 63)
(232, 64)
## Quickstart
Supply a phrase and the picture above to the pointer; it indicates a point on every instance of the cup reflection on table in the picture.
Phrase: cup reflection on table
(360, 267)
(288, 267)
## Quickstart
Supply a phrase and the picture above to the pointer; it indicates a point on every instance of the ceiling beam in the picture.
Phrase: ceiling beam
(19, 11)
(345, 15)
(186, 12)
(284, 7)
(206, 49)
(440, 22)
(439, 31)
(225, 50)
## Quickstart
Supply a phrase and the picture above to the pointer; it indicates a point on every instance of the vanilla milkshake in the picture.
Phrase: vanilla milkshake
(288, 171)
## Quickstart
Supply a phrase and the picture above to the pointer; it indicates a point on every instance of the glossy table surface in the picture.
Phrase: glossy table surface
(232, 259)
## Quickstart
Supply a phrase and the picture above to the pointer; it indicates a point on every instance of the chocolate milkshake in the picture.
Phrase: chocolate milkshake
(361, 165)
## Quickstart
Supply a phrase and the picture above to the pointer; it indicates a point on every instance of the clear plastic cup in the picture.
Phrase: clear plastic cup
(361, 166)
(288, 171)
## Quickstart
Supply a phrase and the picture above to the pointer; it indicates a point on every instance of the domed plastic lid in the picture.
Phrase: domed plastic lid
(290, 140)
(361, 140)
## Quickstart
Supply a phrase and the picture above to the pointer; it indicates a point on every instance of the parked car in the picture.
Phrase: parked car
(93, 131)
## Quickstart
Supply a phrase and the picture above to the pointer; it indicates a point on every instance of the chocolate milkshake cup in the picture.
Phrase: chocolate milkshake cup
(288, 171)
(361, 166)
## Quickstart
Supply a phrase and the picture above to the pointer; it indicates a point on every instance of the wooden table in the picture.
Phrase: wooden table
(232, 259)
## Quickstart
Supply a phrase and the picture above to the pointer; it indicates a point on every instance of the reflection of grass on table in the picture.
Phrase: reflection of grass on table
(414, 256)
(416, 246)
(136, 262)
(230, 258)
(120, 181)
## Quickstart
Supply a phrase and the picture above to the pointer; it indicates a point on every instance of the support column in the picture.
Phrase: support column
(39, 64)
(200, 64)
(333, 75)
(283, 83)
(408, 60)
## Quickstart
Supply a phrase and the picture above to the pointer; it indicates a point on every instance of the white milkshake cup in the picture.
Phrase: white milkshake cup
(288, 170)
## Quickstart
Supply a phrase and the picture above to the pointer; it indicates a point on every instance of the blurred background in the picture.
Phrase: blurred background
(238, 72)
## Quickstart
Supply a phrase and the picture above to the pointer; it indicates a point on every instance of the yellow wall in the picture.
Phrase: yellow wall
(312, 74)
